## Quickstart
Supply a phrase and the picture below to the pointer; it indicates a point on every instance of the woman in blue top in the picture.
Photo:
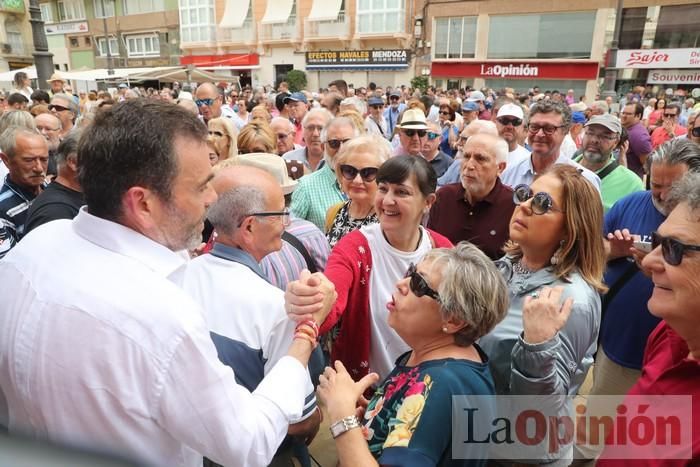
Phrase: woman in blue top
(453, 297)
(450, 129)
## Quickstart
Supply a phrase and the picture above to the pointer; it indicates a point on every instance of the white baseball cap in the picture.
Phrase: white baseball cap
(511, 110)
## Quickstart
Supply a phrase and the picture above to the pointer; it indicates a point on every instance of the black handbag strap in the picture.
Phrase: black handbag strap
(631, 270)
(296, 243)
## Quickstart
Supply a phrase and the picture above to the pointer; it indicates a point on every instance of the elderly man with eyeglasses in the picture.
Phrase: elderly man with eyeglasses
(413, 130)
(66, 110)
(439, 161)
(548, 124)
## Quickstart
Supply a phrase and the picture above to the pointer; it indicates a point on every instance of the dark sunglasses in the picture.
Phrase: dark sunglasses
(671, 249)
(377, 106)
(696, 132)
(412, 133)
(418, 285)
(444, 112)
(510, 121)
(207, 102)
(541, 202)
(368, 174)
(336, 143)
(394, 98)
(58, 108)
(670, 115)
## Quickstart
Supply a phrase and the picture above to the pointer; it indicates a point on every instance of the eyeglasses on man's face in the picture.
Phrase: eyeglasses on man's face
(549, 130)
(284, 216)
(672, 250)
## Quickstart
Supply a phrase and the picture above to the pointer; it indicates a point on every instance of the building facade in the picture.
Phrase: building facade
(261, 40)
(142, 33)
(16, 44)
(554, 45)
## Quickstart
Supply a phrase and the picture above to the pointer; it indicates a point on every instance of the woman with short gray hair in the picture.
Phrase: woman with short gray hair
(440, 308)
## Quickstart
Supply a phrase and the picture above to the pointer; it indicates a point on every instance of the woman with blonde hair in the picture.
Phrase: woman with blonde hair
(224, 136)
(356, 167)
(555, 253)
(257, 136)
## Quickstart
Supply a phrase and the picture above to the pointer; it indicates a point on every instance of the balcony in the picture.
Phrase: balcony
(338, 29)
(281, 32)
(243, 35)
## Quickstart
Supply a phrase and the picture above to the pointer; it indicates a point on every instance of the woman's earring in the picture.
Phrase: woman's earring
(556, 256)
(444, 329)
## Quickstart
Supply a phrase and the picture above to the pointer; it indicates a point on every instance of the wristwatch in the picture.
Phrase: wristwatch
(343, 425)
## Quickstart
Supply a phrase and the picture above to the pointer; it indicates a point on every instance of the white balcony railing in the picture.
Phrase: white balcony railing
(332, 28)
(288, 31)
(243, 35)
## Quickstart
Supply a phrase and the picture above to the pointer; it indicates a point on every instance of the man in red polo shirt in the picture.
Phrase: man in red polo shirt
(670, 128)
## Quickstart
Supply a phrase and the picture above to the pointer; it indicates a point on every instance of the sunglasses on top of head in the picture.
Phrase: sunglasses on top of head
(541, 202)
(671, 249)
(418, 285)
(367, 174)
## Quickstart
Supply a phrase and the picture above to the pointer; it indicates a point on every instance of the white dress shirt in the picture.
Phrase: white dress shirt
(98, 347)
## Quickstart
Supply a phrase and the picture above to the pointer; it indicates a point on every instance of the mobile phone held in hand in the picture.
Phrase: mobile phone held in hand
(643, 246)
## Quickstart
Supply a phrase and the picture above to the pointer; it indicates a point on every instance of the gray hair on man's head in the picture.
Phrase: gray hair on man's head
(339, 121)
(687, 190)
(325, 114)
(357, 103)
(283, 121)
(471, 290)
(496, 144)
(69, 99)
(68, 147)
(227, 213)
(676, 151)
(545, 106)
(17, 118)
(8, 138)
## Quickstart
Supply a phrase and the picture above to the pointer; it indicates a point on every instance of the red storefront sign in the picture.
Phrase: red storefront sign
(503, 69)
(238, 60)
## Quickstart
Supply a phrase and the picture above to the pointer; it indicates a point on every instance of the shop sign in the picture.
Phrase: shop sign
(66, 28)
(395, 58)
(12, 5)
(658, 58)
(580, 69)
(674, 77)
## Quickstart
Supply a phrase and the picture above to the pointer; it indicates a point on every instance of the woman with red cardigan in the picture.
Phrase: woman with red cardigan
(366, 263)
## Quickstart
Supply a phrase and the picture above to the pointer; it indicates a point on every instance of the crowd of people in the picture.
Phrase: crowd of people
(210, 274)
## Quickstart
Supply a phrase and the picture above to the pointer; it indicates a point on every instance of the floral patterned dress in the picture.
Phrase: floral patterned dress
(408, 421)
(343, 224)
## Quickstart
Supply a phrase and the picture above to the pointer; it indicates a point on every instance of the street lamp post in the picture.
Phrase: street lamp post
(43, 59)
(110, 64)
(611, 65)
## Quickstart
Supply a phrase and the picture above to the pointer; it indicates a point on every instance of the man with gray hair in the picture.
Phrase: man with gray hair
(244, 312)
(626, 322)
(285, 131)
(311, 155)
(66, 110)
(26, 156)
(319, 191)
(477, 126)
(548, 124)
(63, 197)
(479, 208)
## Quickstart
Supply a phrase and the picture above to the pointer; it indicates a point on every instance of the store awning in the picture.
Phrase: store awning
(325, 10)
(277, 11)
(235, 13)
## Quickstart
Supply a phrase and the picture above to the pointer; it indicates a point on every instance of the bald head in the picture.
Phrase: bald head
(208, 99)
(245, 193)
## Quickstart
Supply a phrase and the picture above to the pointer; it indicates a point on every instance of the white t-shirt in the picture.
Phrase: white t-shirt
(517, 154)
(388, 266)
(568, 146)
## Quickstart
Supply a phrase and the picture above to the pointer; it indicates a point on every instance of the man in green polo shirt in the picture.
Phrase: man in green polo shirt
(602, 136)
(319, 190)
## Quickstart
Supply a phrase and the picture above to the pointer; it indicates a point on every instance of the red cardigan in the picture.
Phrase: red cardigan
(349, 268)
